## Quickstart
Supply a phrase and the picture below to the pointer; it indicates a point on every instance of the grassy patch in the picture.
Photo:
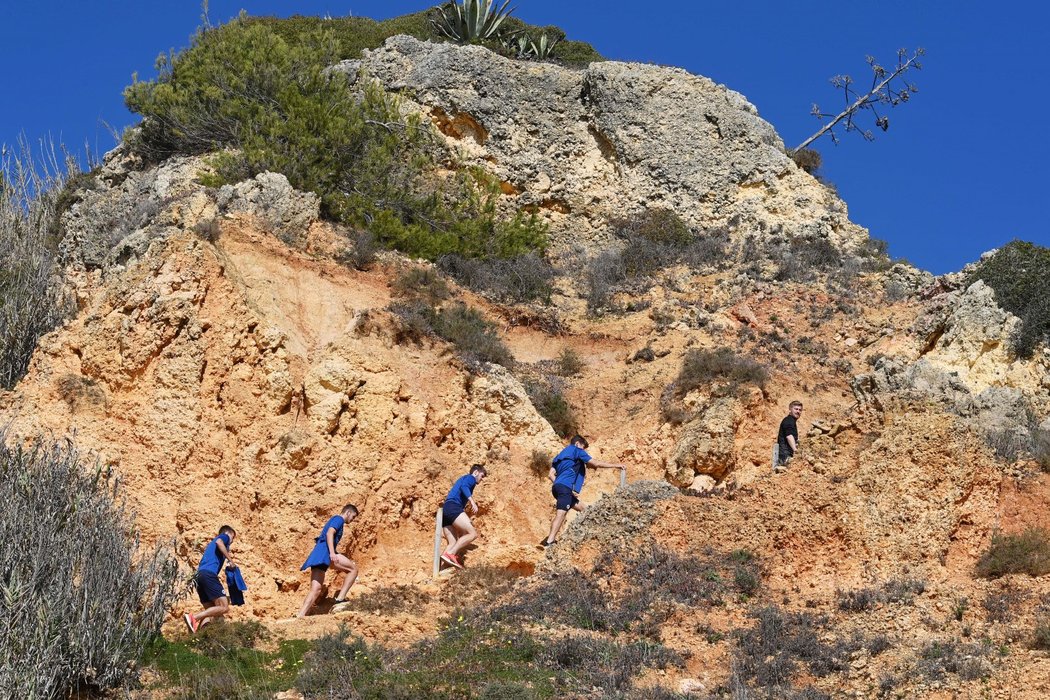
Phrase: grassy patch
(221, 661)
(1026, 553)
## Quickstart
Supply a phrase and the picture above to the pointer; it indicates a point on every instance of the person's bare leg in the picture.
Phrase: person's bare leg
(316, 583)
(450, 536)
(556, 524)
(464, 525)
(351, 576)
(219, 607)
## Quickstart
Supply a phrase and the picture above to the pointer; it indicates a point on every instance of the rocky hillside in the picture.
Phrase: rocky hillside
(232, 368)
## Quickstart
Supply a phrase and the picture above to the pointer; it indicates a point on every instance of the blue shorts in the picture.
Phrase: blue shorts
(208, 587)
(564, 496)
(449, 513)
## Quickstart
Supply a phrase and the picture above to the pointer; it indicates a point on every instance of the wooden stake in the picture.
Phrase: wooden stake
(437, 543)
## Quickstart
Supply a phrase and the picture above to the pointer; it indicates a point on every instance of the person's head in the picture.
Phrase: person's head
(478, 472)
(795, 408)
(349, 512)
(580, 441)
(227, 530)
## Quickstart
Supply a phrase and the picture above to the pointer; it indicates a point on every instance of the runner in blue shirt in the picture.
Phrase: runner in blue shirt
(568, 471)
(455, 522)
(209, 588)
(324, 554)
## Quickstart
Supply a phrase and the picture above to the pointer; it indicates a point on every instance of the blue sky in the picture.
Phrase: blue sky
(959, 172)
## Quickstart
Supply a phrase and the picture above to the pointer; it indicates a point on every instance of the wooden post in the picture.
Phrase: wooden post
(776, 454)
(623, 478)
(437, 543)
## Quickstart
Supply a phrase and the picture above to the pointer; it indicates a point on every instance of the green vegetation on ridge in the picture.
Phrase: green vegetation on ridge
(264, 104)
(1018, 272)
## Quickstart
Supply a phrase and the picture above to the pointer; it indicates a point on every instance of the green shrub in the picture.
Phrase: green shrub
(79, 595)
(1026, 553)
(277, 107)
(551, 404)
(33, 301)
(422, 283)
(518, 279)
(1041, 634)
(805, 257)
(999, 605)
(968, 661)
(475, 338)
(1019, 273)
(569, 363)
(721, 369)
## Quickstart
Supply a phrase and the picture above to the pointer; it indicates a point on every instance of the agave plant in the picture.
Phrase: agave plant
(542, 49)
(472, 20)
(522, 45)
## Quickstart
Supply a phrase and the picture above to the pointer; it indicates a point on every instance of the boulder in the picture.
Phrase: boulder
(707, 444)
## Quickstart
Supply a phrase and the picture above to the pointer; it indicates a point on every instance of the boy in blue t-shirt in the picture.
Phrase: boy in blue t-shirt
(209, 588)
(455, 522)
(324, 555)
(568, 471)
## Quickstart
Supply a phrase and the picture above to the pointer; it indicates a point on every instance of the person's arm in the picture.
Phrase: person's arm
(792, 443)
(225, 552)
(329, 537)
(552, 474)
(473, 505)
(606, 465)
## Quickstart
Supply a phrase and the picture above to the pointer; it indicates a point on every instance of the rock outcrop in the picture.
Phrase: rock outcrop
(585, 146)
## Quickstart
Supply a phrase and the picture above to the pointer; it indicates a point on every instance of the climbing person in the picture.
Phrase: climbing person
(324, 554)
(455, 522)
(209, 588)
(567, 474)
(787, 437)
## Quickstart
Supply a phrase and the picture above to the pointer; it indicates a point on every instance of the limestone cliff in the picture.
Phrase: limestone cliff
(233, 371)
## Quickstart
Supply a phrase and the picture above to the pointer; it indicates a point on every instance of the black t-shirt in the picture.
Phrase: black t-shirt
(788, 426)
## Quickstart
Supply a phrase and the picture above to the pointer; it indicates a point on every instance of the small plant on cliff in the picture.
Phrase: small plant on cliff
(472, 20)
(79, 595)
(722, 370)
(1026, 553)
(1019, 274)
(551, 404)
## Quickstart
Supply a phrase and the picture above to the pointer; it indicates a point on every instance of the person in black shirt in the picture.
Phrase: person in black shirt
(787, 437)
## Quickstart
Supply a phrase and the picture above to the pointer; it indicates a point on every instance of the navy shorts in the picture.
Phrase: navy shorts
(564, 496)
(208, 587)
(449, 513)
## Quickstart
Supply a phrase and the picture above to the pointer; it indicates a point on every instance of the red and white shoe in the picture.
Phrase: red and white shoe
(191, 623)
(452, 559)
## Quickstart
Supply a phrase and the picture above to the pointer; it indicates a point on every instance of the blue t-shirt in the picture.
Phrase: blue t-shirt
(213, 559)
(462, 490)
(336, 522)
(570, 467)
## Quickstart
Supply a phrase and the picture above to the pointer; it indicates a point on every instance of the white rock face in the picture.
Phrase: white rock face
(584, 146)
